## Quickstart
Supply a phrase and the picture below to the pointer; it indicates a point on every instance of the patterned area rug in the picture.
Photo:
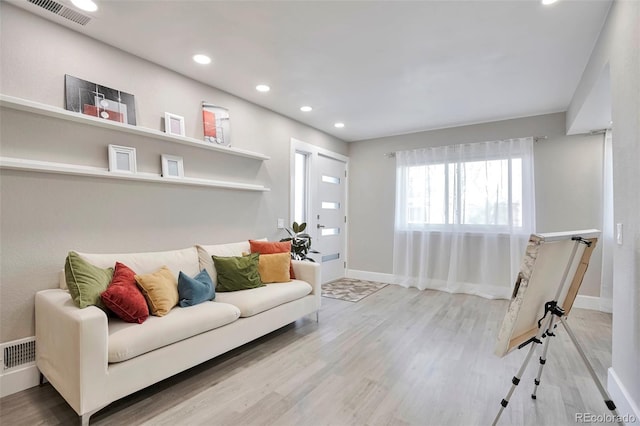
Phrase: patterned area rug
(350, 289)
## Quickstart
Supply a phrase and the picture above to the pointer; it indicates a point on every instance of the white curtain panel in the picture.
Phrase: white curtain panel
(463, 216)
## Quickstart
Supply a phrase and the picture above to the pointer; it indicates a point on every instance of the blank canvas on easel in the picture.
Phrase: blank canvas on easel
(541, 272)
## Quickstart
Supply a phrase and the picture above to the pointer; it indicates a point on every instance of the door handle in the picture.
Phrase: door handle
(319, 226)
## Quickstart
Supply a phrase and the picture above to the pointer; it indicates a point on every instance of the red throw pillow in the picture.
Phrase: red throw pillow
(272, 247)
(124, 298)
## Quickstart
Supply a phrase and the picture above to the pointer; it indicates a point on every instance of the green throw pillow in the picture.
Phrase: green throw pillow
(237, 273)
(85, 281)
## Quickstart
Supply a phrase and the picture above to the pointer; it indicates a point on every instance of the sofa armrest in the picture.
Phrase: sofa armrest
(71, 348)
(309, 272)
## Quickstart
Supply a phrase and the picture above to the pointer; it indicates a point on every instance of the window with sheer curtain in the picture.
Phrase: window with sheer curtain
(463, 215)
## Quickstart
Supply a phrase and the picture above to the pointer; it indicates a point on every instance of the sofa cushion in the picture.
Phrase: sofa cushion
(274, 268)
(256, 300)
(124, 298)
(198, 289)
(185, 260)
(86, 281)
(128, 340)
(160, 288)
(237, 272)
(223, 250)
(271, 247)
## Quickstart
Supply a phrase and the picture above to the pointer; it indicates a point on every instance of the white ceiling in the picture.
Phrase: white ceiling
(382, 68)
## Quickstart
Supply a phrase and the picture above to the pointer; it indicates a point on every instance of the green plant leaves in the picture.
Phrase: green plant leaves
(300, 243)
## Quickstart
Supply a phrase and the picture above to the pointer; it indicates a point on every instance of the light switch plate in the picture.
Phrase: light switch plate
(619, 233)
(280, 223)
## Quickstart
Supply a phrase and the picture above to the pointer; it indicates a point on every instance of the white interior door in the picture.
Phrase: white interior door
(319, 197)
(329, 214)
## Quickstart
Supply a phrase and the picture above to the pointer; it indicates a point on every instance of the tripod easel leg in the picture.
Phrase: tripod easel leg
(605, 395)
(516, 378)
(514, 381)
(543, 358)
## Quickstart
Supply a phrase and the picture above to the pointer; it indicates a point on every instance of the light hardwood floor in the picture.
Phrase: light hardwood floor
(399, 357)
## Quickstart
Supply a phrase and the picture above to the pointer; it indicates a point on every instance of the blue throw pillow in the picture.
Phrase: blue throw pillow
(198, 289)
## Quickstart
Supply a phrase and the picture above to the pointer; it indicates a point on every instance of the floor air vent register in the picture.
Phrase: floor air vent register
(18, 354)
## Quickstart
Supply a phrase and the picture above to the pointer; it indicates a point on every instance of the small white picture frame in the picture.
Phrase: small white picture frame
(172, 166)
(173, 124)
(122, 159)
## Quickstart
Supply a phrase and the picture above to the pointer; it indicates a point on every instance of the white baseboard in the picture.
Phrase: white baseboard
(583, 302)
(627, 407)
(593, 303)
(19, 380)
(372, 276)
(486, 291)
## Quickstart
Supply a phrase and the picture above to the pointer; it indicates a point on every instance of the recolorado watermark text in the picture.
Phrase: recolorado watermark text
(605, 418)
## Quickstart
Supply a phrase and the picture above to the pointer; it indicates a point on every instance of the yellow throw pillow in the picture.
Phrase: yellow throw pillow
(274, 268)
(160, 289)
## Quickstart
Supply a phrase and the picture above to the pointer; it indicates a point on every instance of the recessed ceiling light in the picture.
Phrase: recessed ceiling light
(305, 108)
(339, 125)
(87, 5)
(262, 88)
(548, 2)
(202, 59)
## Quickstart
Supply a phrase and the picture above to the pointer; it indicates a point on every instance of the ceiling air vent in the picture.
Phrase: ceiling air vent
(62, 10)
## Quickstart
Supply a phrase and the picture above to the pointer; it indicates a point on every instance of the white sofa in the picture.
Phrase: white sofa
(93, 359)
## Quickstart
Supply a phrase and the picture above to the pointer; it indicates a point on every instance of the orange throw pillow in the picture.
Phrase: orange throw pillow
(160, 289)
(272, 247)
(274, 268)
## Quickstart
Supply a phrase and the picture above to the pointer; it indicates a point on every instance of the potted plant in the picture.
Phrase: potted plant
(300, 242)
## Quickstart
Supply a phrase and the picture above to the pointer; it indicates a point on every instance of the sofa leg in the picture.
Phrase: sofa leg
(84, 419)
(41, 380)
(318, 316)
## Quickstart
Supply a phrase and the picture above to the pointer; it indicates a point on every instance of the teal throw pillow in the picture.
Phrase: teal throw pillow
(237, 273)
(193, 291)
(85, 281)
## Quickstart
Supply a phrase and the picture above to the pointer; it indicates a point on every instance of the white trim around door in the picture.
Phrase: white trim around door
(313, 152)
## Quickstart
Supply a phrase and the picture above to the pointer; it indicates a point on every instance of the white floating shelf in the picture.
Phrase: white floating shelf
(73, 169)
(62, 114)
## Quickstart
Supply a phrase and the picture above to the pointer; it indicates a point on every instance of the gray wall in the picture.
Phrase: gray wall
(625, 76)
(43, 216)
(619, 47)
(568, 179)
